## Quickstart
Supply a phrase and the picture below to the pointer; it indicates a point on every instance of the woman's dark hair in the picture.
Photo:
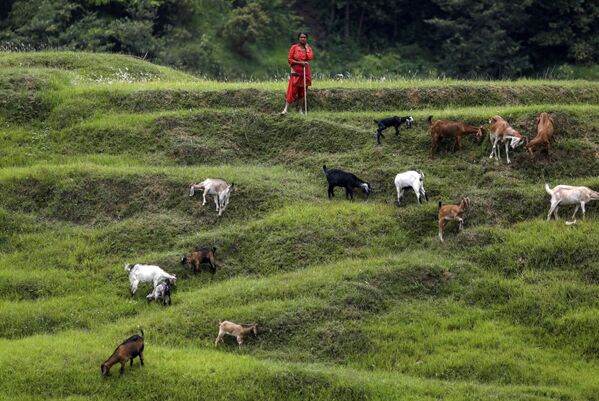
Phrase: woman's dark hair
(302, 33)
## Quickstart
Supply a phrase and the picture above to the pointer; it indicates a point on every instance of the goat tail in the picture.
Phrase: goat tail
(548, 190)
(213, 249)
(430, 120)
(128, 267)
(142, 332)
(324, 168)
(440, 204)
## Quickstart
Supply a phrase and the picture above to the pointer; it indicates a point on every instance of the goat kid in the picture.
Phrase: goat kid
(410, 179)
(545, 128)
(452, 212)
(391, 122)
(161, 291)
(126, 351)
(339, 178)
(219, 189)
(139, 273)
(502, 132)
(239, 331)
(202, 255)
(450, 129)
(569, 195)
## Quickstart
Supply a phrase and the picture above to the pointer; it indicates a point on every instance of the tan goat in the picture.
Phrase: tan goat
(233, 329)
(545, 129)
(452, 212)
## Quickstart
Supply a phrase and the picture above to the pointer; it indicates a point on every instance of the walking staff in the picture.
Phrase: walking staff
(299, 56)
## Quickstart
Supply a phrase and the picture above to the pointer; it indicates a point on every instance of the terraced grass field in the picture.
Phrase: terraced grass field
(354, 300)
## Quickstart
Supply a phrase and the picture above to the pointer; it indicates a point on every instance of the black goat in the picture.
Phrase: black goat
(339, 178)
(391, 122)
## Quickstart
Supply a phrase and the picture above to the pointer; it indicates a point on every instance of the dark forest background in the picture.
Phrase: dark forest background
(250, 38)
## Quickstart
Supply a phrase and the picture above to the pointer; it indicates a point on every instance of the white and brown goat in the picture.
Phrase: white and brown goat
(452, 212)
(219, 189)
(239, 331)
(502, 132)
(569, 195)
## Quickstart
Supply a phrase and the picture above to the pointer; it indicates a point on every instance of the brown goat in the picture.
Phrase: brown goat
(450, 129)
(452, 212)
(202, 255)
(545, 129)
(233, 329)
(129, 349)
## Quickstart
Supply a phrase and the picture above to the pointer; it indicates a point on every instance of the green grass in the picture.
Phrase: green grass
(353, 300)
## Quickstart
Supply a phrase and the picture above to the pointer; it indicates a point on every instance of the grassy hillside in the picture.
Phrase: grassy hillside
(353, 300)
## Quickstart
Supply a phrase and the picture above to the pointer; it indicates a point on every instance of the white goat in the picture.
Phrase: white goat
(569, 195)
(237, 330)
(410, 179)
(216, 187)
(147, 274)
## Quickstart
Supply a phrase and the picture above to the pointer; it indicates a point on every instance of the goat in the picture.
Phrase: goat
(233, 329)
(139, 273)
(126, 351)
(162, 291)
(569, 195)
(339, 178)
(202, 255)
(545, 128)
(410, 179)
(219, 189)
(391, 122)
(452, 212)
(450, 129)
(501, 131)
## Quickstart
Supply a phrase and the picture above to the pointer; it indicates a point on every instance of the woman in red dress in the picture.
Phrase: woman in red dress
(299, 55)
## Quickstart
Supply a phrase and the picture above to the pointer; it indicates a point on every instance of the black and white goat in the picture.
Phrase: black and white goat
(161, 291)
(410, 179)
(216, 187)
(339, 178)
(391, 122)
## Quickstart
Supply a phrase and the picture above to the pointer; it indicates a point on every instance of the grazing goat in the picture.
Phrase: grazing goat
(410, 179)
(126, 351)
(161, 291)
(339, 178)
(147, 274)
(452, 212)
(501, 131)
(202, 255)
(216, 187)
(569, 195)
(233, 329)
(391, 122)
(545, 129)
(450, 129)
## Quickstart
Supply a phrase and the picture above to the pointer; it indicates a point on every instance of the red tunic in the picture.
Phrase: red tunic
(295, 89)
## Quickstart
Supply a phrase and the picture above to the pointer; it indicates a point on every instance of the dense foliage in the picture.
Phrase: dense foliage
(461, 38)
